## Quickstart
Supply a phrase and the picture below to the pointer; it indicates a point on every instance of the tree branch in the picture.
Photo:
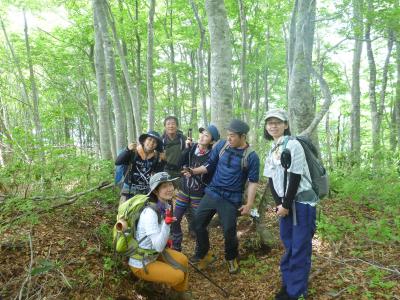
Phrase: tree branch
(325, 107)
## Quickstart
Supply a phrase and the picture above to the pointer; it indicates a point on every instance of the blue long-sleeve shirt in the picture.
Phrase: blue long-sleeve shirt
(229, 178)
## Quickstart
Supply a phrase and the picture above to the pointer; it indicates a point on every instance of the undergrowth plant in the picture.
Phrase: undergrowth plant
(372, 207)
(42, 183)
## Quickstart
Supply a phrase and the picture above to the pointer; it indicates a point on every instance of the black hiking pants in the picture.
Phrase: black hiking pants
(227, 212)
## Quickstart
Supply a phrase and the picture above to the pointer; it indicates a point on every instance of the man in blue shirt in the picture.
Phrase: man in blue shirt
(225, 192)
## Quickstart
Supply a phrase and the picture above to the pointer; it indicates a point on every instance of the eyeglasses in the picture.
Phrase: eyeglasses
(274, 123)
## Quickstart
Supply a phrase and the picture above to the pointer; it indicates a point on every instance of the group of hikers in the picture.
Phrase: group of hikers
(199, 179)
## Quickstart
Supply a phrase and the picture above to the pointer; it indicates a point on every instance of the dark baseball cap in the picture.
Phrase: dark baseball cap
(238, 126)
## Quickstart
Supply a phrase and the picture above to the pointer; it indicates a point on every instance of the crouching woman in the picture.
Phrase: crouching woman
(169, 267)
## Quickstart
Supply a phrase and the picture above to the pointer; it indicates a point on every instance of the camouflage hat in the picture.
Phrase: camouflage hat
(159, 178)
(277, 113)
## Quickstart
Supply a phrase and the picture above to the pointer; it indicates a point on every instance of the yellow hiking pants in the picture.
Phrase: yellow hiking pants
(161, 272)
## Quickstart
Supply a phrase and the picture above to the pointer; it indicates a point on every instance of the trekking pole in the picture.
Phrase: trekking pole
(225, 293)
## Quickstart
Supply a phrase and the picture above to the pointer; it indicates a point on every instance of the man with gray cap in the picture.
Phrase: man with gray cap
(232, 164)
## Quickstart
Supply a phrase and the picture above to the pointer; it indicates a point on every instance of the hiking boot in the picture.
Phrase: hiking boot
(194, 259)
(206, 261)
(233, 266)
(281, 294)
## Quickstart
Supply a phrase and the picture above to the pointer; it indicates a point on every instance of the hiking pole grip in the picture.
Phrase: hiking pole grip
(225, 293)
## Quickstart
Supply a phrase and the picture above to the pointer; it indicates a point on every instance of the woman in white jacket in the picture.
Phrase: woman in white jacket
(169, 267)
(295, 201)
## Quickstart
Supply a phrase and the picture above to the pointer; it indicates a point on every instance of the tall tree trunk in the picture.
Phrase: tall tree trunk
(130, 120)
(243, 61)
(104, 114)
(150, 42)
(193, 113)
(301, 103)
(397, 101)
(221, 64)
(393, 126)
(93, 120)
(18, 66)
(355, 141)
(257, 99)
(35, 96)
(337, 142)
(385, 71)
(133, 105)
(112, 76)
(266, 71)
(138, 67)
(328, 140)
(372, 83)
(169, 34)
(201, 64)
(3, 133)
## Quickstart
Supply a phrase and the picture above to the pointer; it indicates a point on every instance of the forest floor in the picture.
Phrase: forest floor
(66, 254)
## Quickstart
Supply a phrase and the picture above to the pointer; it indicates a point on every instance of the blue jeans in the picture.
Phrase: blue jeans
(227, 212)
(297, 239)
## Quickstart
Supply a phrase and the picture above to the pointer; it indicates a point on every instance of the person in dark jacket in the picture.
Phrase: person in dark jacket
(188, 199)
(143, 160)
(174, 143)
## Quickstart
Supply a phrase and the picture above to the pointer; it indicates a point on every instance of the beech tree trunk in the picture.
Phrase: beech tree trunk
(372, 85)
(301, 103)
(104, 114)
(266, 71)
(169, 34)
(138, 66)
(93, 120)
(355, 141)
(132, 106)
(382, 94)
(35, 95)
(120, 128)
(244, 95)
(200, 56)
(193, 112)
(150, 42)
(20, 77)
(221, 64)
(397, 100)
